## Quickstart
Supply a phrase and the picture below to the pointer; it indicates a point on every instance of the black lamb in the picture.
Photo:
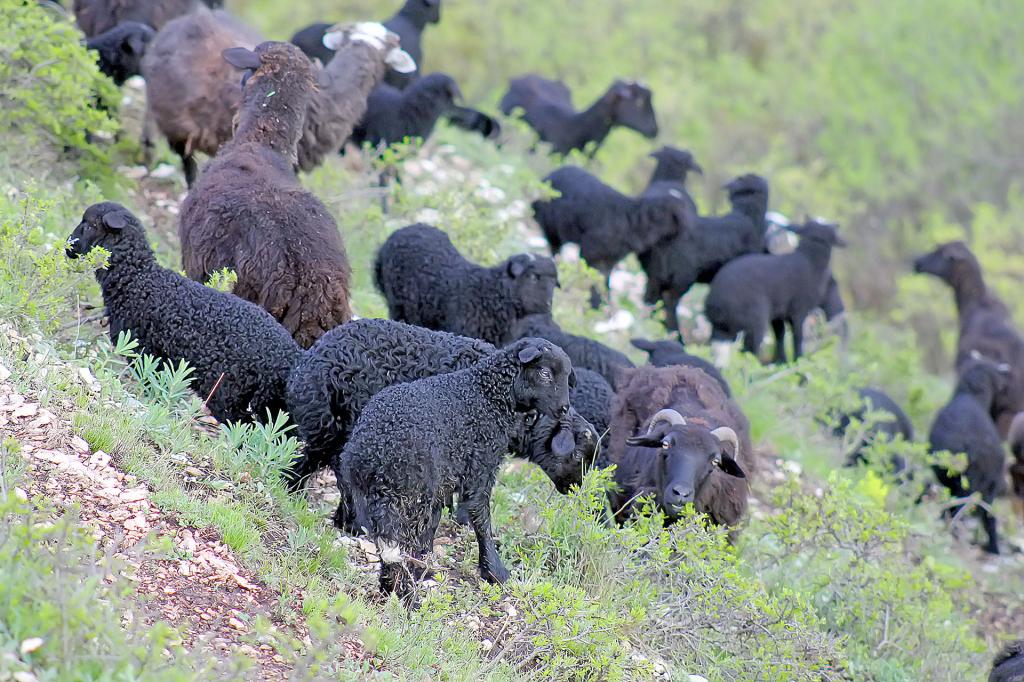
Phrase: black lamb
(240, 355)
(695, 256)
(427, 282)
(607, 224)
(393, 115)
(548, 109)
(583, 352)
(670, 174)
(965, 426)
(120, 49)
(417, 444)
(890, 423)
(1008, 666)
(672, 353)
(751, 293)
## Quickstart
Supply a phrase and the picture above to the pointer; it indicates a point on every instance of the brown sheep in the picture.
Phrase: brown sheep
(193, 95)
(248, 212)
(986, 326)
(676, 435)
(96, 16)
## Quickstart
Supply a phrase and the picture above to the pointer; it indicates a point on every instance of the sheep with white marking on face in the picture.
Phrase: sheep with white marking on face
(417, 444)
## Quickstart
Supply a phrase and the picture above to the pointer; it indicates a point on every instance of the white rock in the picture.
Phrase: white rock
(164, 170)
(134, 495)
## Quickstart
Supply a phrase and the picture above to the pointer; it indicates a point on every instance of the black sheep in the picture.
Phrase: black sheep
(670, 174)
(607, 224)
(753, 292)
(1008, 666)
(240, 356)
(393, 115)
(120, 49)
(986, 325)
(673, 353)
(548, 109)
(696, 255)
(885, 428)
(1015, 438)
(249, 213)
(965, 426)
(427, 282)
(583, 352)
(417, 444)
(98, 16)
(592, 397)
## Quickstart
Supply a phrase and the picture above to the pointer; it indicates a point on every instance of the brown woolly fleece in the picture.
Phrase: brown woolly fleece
(96, 16)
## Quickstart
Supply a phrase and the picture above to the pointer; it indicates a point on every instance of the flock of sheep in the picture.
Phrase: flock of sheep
(414, 412)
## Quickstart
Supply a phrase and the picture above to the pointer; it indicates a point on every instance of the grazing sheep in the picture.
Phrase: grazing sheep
(895, 423)
(393, 115)
(416, 444)
(676, 435)
(427, 282)
(1016, 441)
(193, 96)
(672, 353)
(752, 292)
(548, 109)
(240, 356)
(248, 212)
(1008, 666)
(120, 49)
(696, 255)
(965, 426)
(583, 352)
(592, 397)
(98, 16)
(985, 322)
(606, 224)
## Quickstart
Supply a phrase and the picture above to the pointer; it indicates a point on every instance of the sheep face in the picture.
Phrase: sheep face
(533, 280)
(632, 108)
(685, 457)
(102, 225)
(428, 10)
(675, 163)
(121, 49)
(565, 449)
(439, 87)
(945, 261)
(544, 378)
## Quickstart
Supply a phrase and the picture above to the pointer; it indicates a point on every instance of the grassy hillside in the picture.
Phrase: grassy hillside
(899, 121)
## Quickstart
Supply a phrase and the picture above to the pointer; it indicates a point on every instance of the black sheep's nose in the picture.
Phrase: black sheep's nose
(679, 495)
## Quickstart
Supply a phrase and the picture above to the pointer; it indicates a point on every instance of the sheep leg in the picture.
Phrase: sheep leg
(595, 297)
(670, 302)
(796, 326)
(491, 568)
(148, 135)
(752, 339)
(188, 163)
(779, 329)
(988, 521)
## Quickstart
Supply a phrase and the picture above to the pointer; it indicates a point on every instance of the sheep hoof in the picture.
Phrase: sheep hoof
(497, 574)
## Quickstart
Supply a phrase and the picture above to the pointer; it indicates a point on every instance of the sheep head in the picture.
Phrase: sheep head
(632, 107)
(544, 377)
(376, 36)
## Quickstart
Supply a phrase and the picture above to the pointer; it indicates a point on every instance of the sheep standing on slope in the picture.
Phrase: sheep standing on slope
(583, 352)
(670, 174)
(677, 436)
(986, 326)
(418, 443)
(548, 109)
(696, 255)
(427, 282)
(964, 426)
(751, 293)
(248, 212)
(120, 50)
(606, 224)
(239, 354)
(393, 115)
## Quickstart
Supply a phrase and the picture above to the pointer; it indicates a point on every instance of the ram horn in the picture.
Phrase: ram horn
(670, 416)
(727, 435)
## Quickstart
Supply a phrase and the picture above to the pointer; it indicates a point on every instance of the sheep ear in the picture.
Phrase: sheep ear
(515, 269)
(400, 60)
(528, 354)
(728, 465)
(241, 58)
(572, 378)
(115, 221)
(563, 443)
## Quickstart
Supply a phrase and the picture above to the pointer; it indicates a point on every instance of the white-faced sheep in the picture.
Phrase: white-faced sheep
(675, 435)
(416, 444)
(548, 109)
(753, 292)
(427, 282)
(248, 212)
(240, 356)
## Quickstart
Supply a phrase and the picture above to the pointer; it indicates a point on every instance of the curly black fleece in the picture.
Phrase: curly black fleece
(416, 444)
(176, 319)
(427, 282)
(583, 352)
(670, 353)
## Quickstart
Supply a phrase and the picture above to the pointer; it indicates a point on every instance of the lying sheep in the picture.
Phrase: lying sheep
(890, 423)
(548, 109)
(193, 96)
(752, 292)
(986, 325)
(672, 353)
(416, 444)
(583, 352)
(606, 224)
(394, 115)
(1008, 666)
(120, 50)
(427, 282)
(240, 356)
(677, 436)
(248, 212)
(964, 426)
(98, 16)
(695, 256)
